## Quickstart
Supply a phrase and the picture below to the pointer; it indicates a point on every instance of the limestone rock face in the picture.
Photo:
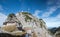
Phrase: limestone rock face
(9, 28)
(33, 26)
(57, 34)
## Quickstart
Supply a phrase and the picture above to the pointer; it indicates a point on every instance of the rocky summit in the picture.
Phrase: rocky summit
(24, 24)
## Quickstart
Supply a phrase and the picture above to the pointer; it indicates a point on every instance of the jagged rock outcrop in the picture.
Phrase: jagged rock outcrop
(57, 34)
(9, 35)
(12, 26)
(26, 22)
(32, 24)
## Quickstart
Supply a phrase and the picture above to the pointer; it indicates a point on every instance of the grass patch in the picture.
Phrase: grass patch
(42, 23)
(26, 13)
(27, 18)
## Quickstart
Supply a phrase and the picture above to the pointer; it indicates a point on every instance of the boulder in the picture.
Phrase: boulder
(9, 28)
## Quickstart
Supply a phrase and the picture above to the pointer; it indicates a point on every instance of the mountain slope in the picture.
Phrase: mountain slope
(33, 26)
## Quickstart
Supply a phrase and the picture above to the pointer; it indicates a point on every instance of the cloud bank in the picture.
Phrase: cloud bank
(53, 5)
(2, 18)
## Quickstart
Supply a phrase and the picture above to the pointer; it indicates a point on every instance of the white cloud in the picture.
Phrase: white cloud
(49, 12)
(58, 16)
(49, 2)
(2, 18)
(1, 8)
(52, 21)
(54, 3)
(37, 12)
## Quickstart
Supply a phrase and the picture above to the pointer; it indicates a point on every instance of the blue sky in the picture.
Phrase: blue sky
(48, 10)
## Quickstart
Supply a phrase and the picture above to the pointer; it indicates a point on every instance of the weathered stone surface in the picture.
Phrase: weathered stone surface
(33, 26)
(57, 34)
(9, 35)
(9, 28)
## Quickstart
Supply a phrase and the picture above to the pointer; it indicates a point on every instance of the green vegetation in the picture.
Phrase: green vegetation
(41, 24)
(54, 30)
(26, 13)
(27, 18)
(40, 19)
(11, 15)
(34, 20)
